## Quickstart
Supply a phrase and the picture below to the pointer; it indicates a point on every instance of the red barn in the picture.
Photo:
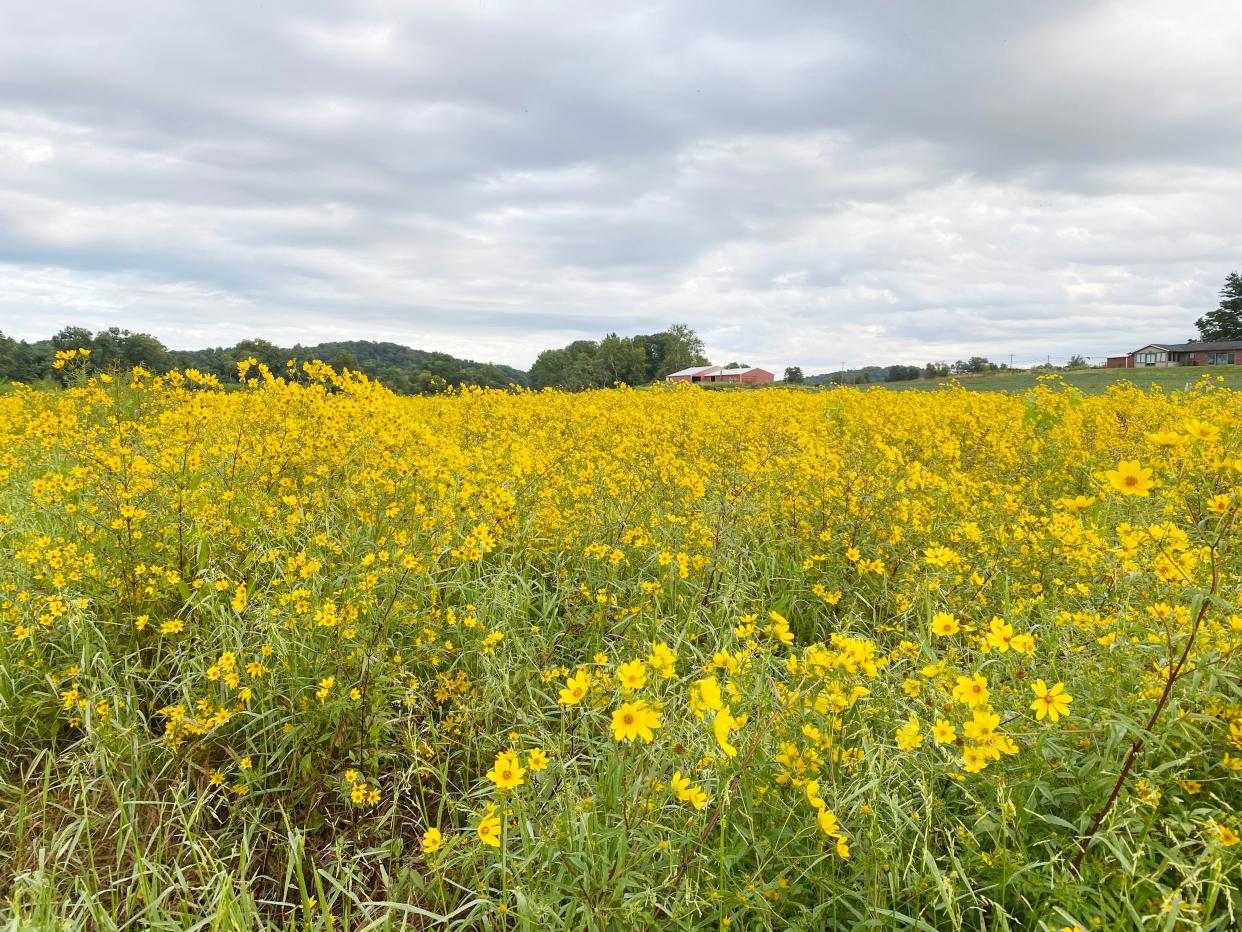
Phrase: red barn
(694, 374)
(751, 374)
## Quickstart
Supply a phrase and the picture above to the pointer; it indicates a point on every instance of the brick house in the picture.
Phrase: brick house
(1163, 355)
(718, 374)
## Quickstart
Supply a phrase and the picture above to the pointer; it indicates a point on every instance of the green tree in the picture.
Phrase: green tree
(622, 359)
(973, 364)
(1224, 323)
(343, 360)
(73, 338)
(681, 349)
(794, 376)
(269, 354)
(899, 373)
(10, 359)
(550, 370)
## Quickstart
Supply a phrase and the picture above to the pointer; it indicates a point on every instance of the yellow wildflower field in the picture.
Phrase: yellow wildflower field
(301, 653)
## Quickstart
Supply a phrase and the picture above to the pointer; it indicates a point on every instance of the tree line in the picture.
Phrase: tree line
(402, 369)
(636, 360)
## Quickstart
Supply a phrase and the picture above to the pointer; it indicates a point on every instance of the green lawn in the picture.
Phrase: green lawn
(1091, 381)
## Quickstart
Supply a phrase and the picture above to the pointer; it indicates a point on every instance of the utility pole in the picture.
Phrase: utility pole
(1011, 360)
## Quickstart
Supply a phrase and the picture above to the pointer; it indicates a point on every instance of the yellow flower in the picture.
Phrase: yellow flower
(908, 736)
(632, 675)
(489, 829)
(974, 759)
(1023, 643)
(663, 660)
(537, 760)
(1052, 702)
(1201, 430)
(944, 732)
(576, 688)
(982, 726)
(1000, 635)
(705, 696)
(1219, 504)
(1166, 438)
(971, 691)
(944, 624)
(722, 724)
(506, 772)
(1129, 478)
(687, 792)
(632, 720)
(812, 794)
(827, 821)
(1226, 835)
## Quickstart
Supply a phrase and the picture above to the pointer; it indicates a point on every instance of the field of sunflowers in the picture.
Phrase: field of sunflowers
(300, 653)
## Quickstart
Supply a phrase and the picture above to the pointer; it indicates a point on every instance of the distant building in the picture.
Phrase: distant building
(719, 374)
(1163, 355)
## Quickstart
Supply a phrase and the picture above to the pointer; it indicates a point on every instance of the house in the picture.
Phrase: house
(1162, 355)
(751, 374)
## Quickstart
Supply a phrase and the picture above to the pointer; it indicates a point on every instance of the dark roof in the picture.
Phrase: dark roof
(1195, 347)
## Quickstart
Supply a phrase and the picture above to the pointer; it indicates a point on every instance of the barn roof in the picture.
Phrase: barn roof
(694, 370)
(1195, 347)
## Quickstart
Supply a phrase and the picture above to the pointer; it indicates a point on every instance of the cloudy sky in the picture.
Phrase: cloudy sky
(802, 182)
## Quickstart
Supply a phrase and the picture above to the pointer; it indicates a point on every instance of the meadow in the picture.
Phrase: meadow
(1089, 381)
(310, 655)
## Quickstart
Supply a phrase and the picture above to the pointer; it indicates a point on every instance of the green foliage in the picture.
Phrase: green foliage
(1224, 323)
(637, 360)
(974, 364)
(404, 370)
(903, 373)
(794, 376)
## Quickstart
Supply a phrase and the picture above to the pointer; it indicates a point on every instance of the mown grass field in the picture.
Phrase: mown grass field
(1089, 381)
(310, 655)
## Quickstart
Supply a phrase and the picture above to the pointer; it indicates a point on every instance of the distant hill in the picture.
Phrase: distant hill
(866, 375)
(401, 368)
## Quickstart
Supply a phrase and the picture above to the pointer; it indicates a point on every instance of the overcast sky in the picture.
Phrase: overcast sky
(801, 182)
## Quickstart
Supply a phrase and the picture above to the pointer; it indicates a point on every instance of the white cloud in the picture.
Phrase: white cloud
(803, 183)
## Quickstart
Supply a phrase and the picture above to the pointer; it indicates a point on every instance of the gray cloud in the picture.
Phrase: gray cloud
(804, 183)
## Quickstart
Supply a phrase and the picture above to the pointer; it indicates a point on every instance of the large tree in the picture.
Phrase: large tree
(622, 359)
(681, 349)
(1224, 323)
